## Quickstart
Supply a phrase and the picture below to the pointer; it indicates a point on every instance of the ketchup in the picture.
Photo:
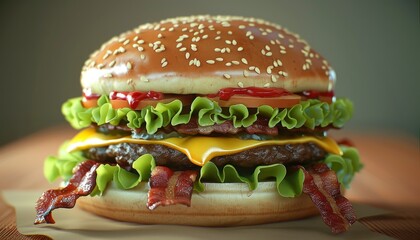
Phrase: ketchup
(315, 94)
(88, 95)
(226, 93)
(134, 98)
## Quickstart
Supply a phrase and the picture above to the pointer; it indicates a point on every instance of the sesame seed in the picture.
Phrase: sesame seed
(241, 26)
(228, 64)
(283, 52)
(257, 70)
(141, 41)
(197, 63)
(182, 49)
(240, 49)
(105, 56)
(129, 66)
(163, 60)
(248, 33)
(191, 62)
(126, 42)
(171, 29)
(246, 73)
(267, 85)
(205, 36)
(235, 62)
(227, 76)
(164, 64)
(140, 49)
(251, 37)
(135, 45)
(282, 73)
(267, 47)
(178, 45)
(219, 59)
(262, 51)
(269, 69)
(217, 38)
(161, 49)
(252, 68)
(279, 62)
(187, 55)
(228, 42)
(142, 57)
(100, 65)
(273, 78)
(234, 42)
(135, 38)
(223, 50)
(210, 61)
(194, 47)
(268, 54)
(111, 64)
(240, 84)
(121, 40)
(144, 79)
(244, 61)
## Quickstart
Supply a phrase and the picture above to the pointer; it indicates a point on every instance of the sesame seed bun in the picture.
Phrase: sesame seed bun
(202, 54)
(226, 204)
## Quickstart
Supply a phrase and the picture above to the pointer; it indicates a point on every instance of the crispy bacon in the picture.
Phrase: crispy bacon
(322, 186)
(168, 187)
(81, 183)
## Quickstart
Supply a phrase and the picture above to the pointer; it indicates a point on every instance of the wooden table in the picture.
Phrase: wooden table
(389, 178)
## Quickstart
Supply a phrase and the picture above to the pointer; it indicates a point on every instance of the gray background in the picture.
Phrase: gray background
(374, 46)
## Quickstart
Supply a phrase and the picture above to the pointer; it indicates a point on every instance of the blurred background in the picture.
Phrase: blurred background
(374, 46)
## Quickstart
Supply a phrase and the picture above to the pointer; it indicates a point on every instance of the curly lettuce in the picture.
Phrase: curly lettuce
(311, 113)
(288, 183)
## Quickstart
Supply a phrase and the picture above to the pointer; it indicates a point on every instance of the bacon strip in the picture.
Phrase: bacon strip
(81, 183)
(322, 186)
(168, 187)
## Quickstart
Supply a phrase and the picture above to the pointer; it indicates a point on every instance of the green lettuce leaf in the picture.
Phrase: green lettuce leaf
(311, 113)
(289, 183)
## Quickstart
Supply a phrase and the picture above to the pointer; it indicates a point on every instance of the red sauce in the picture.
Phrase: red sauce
(88, 95)
(134, 98)
(315, 94)
(227, 93)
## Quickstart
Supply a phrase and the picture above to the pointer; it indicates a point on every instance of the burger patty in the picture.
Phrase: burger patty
(124, 154)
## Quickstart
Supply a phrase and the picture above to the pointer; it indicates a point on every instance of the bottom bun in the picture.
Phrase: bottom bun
(221, 204)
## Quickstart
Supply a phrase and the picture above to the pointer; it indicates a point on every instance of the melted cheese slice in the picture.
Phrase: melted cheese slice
(199, 149)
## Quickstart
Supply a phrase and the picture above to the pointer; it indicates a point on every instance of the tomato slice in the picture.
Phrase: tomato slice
(254, 102)
(185, 99)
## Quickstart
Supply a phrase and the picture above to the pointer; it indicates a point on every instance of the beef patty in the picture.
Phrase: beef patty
(124, 154)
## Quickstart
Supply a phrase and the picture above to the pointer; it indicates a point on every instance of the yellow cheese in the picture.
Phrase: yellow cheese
(199, 149)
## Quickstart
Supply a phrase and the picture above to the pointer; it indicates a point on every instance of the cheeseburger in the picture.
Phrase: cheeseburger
(206, 121)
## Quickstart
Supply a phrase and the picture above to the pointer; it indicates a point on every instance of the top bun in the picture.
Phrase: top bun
(202, 54)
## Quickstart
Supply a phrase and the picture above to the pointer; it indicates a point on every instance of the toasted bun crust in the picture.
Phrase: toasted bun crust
(227, 204)
(202, 54)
